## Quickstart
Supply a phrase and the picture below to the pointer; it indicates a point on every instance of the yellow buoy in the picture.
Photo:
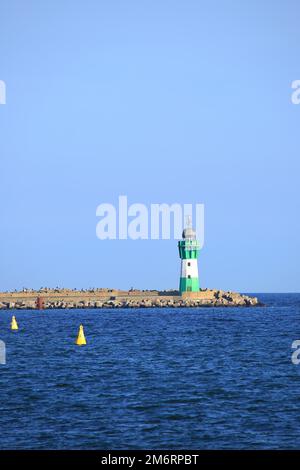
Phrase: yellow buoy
(80, 338)
(14, 324)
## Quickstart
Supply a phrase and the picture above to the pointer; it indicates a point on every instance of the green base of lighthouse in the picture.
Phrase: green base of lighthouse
(189, 284)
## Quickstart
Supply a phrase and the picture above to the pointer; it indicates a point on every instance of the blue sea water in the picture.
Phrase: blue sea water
(209, 378)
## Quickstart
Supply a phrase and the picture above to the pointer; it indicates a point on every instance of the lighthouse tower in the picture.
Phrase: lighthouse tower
(188, 252)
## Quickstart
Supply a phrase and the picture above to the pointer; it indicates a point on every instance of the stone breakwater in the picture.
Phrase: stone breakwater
(110, 298)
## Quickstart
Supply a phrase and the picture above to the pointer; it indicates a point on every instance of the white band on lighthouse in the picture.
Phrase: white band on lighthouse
(189, 268)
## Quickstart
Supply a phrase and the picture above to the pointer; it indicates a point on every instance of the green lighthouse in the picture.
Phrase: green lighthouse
(188, 252)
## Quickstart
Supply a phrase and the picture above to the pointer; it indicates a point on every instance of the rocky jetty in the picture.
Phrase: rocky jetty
(110, 298)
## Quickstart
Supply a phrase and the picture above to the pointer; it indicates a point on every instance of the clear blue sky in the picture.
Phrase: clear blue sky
(164, 101)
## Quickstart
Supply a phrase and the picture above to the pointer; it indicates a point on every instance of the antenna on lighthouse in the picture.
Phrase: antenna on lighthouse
(188, 221)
